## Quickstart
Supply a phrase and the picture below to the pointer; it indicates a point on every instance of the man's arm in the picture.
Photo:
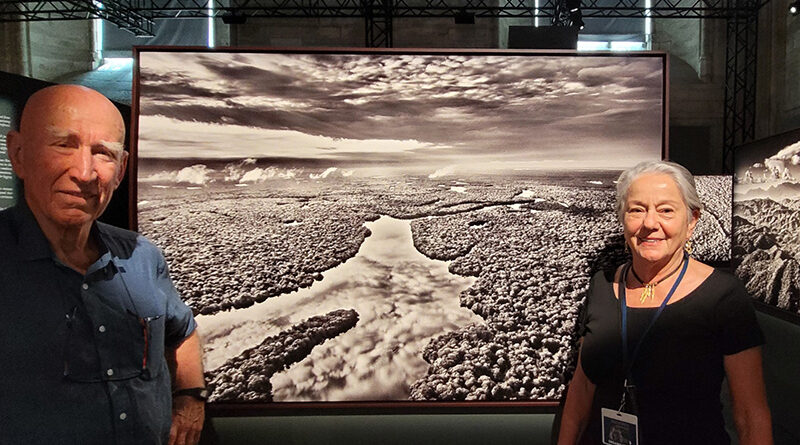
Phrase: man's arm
(186, 367)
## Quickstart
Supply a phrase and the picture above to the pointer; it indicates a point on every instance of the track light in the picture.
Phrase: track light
(794, 8)
(568, 13)
(575, 14)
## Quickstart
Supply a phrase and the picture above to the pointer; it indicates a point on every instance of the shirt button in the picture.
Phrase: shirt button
(85, 286)
(123, 416)
(110, 372)
(101, 328)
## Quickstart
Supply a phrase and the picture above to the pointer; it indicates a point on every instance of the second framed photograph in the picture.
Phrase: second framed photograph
(766, 253)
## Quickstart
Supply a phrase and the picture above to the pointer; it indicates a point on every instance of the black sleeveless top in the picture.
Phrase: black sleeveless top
(679, 370)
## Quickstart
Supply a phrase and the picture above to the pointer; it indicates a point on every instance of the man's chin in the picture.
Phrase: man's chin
(73, 218)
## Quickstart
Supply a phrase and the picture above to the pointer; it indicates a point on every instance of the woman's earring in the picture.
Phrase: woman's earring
(688, 247)
(627, 249)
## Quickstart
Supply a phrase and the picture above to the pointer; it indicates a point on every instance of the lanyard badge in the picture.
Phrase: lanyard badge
(618, 427)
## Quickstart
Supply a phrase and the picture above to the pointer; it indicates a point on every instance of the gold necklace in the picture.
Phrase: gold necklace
(650, 288)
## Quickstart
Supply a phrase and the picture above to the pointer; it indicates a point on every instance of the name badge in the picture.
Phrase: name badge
(619, 428)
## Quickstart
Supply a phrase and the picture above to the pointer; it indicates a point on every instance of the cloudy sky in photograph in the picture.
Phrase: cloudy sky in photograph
(354, 110)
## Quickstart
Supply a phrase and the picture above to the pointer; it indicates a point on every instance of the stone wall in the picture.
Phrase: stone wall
(337, 32)
(696, 51)
(790, 112)
(445, 33)
(13, 52)
(778, 70)
(46, 50)
(293, 32)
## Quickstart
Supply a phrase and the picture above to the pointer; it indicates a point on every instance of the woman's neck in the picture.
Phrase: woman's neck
(651, 272)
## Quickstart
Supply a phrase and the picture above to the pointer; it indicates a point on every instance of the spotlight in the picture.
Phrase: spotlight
(568, 13)
(575, 14)
(794, 8)
(576, 18)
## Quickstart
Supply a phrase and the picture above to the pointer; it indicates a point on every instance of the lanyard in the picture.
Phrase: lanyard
(626, 361)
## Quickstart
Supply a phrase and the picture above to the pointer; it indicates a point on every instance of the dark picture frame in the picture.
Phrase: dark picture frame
(766, 206)
(368, 187)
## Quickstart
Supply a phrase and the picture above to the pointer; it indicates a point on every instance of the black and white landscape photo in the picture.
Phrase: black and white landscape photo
(391, 227)
(712, 237)
(766, 223)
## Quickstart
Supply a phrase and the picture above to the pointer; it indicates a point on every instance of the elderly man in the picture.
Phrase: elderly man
(89, 318)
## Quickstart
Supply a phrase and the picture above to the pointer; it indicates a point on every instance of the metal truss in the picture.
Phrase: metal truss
(740, 83)
(124, 14)
(134, 12)
(378, 21)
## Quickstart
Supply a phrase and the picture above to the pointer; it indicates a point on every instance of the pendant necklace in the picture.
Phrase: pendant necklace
(650, 288)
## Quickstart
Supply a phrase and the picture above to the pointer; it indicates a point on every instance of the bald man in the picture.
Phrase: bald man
(89, 318)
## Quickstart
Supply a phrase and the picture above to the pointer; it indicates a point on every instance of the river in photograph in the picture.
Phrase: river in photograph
(403, 299)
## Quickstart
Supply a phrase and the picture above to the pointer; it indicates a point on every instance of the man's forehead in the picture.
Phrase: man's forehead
(66, 106)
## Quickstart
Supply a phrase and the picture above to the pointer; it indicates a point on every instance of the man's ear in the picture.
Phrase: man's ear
(15, 152)
(123, 167)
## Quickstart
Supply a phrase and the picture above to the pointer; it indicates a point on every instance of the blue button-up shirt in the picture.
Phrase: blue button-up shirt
(82, 356)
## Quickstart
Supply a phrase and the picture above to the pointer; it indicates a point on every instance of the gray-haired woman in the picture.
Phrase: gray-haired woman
(660, 332)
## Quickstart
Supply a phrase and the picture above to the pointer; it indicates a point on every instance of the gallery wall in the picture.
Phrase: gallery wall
(781, 362)
(46, 50)
(778, 97)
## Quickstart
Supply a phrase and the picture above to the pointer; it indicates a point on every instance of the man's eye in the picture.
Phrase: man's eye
(105, 155)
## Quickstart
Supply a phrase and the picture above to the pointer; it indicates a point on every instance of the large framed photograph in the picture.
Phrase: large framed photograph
(389, 228)
(766, 248)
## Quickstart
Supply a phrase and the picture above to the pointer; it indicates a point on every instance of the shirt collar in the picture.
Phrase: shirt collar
(31, 240)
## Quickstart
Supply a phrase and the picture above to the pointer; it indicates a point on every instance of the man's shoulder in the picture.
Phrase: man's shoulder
(5, 216)
(7, 227)
(122, 242)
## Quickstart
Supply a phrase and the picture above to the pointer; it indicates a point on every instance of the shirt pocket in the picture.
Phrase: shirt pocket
(112, 344)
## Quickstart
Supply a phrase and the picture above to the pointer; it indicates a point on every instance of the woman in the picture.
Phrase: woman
(676, 356)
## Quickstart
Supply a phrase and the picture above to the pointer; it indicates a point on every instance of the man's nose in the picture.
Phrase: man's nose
(83, 165)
